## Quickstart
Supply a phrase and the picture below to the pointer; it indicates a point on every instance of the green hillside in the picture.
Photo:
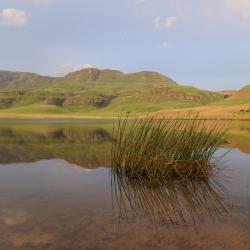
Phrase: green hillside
(96, 92)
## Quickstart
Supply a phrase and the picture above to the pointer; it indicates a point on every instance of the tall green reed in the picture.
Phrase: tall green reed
(153, 149)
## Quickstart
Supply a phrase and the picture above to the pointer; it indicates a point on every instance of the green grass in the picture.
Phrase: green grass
(38, 109)
(123, 104)
(154, 150)
(141, 92)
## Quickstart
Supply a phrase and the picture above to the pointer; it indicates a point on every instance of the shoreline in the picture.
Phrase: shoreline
(206, 112)
(97, 119)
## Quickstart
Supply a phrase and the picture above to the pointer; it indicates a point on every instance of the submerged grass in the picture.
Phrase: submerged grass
(153, 149)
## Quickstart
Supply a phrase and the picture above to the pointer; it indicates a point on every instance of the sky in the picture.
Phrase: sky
(204, 43)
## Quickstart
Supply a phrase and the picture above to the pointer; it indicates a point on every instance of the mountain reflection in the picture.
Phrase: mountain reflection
(183, 203)
(86, 146)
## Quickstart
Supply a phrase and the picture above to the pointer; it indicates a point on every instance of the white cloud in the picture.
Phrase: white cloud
(157, 21)
(68, 67)
(13, 17)
(170, 21)
(165, 45)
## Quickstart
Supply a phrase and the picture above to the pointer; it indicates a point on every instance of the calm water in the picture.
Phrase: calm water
(56, 193)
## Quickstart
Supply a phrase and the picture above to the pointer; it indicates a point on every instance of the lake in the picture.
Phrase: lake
(56, 192)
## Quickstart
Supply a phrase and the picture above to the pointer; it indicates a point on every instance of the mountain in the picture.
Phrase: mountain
(96, 92)
(20, 80)
(114, 76)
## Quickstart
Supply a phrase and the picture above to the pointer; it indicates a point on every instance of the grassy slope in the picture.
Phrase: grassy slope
(235, 107)
(140, 92)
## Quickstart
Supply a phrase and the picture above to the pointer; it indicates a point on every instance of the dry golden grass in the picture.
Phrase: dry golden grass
(209, 112)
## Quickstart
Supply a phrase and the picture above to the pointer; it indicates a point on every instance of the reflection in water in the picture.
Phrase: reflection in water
(81, 144)
(13, 217)
(87, 145)
(187, 202)
(38, 199)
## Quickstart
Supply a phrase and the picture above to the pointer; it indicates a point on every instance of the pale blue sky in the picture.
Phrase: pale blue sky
(205, 43)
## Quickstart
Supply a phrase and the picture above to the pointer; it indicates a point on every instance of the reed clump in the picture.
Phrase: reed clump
(154, 149)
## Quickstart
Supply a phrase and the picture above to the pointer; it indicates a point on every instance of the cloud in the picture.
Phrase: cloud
(68, 67)
(13, 17)
(170, 21)
(157, 21)
(165, 45)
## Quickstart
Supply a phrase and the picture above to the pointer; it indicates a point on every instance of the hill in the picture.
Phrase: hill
(244, 93)
(21, 80)
(227, 93)
(95, 92)
(236, 106)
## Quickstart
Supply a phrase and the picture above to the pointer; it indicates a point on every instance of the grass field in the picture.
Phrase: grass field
(107, 93)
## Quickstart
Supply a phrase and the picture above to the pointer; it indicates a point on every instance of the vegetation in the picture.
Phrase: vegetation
(104, 93)
(94, 92)
(154, 150)
(84, 144)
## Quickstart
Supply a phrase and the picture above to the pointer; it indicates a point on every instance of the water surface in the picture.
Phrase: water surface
(56, 193)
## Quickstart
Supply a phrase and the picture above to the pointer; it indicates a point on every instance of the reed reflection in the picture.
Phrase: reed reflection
(185, 203)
